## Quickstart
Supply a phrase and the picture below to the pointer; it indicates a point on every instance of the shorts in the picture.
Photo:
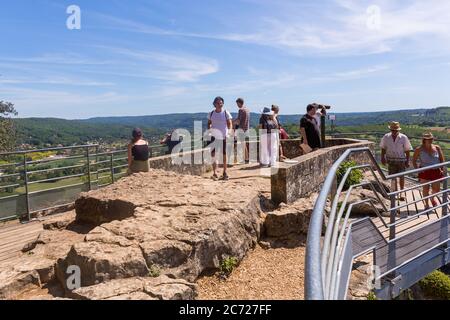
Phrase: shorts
(395, 167)
(224, 146)
(431, 175)
(139, 166)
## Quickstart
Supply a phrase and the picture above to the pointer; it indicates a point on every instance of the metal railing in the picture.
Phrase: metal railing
(54, 181)
(33, 181)
(329, 258)
(415, 140)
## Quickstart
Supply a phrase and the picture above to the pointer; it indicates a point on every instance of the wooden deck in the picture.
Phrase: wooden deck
(414, 236)
(13, 237)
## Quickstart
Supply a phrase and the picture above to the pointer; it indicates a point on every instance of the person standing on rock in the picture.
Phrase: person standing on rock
(242, 122)
(220, 124)
(309, 128)
(269, 138)
(138, 153)
(281, 131)
(395, 153)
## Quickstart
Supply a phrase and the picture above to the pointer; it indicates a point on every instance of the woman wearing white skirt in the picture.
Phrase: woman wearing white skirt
(269, 138)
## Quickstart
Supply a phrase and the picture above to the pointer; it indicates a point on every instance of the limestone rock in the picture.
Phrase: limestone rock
(287, 219)
(366, 209)
(99, 262)
(166, 253)
(360, 279)
(90, 211)
(14, 282)
(183, 225)
(41, 254)
(59, 222)
(160, 288)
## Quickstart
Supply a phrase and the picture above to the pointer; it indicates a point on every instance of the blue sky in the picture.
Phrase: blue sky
(168, 56)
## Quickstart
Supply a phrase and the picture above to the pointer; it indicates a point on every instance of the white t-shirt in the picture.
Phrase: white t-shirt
(219, 121)
(395, 150)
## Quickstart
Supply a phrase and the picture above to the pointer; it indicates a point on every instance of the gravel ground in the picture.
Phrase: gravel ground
(265, 274)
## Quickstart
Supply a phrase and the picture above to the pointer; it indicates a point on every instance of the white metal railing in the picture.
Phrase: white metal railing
(329, 258)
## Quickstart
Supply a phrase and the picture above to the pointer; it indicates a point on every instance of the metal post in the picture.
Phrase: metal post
(392, 220)
(112, 167)
(322, 131)
(96, 165)
(445, 194)
(89, 167)
(27, 194)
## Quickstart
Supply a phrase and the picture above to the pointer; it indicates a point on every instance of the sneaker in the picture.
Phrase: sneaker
(225, 177)
(215, 177)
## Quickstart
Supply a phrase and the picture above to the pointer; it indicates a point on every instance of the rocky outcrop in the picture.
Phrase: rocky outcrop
(365, 209)
(157, 224)
(288, 219)
(360, 280)
(160, 288)
(182, 247)
(37, 264)
(13, 282)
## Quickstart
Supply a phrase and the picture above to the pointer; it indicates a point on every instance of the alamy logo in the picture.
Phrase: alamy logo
(74, 20)
(74, 280)
(373, 17)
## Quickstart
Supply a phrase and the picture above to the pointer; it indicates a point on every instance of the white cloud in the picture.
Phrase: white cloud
(57, 81)
(360, 73)
(61, 59)
(177, 67)
(340, 29)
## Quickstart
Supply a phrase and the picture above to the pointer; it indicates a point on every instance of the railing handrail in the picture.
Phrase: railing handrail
(21, 152)
(379, 133)
(314, 285)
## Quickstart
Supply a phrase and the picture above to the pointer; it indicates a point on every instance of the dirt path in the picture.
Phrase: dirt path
(265, 274)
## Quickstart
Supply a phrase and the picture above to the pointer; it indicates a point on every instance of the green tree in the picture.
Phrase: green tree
(7, 130)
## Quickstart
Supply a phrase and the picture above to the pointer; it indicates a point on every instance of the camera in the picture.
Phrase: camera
(321, 106)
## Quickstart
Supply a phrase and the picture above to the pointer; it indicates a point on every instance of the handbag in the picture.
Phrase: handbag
(306, 148)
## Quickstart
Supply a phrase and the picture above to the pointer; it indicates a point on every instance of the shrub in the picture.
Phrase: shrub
(436, 285)
(227, 265)
(371, 296)
(153, 271)
(354, 177)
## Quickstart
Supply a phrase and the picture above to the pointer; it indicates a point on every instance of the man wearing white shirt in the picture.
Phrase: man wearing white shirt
(395, 152)
(220, 122)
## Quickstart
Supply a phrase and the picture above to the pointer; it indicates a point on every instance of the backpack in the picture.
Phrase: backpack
(224, 110)
(269, 125)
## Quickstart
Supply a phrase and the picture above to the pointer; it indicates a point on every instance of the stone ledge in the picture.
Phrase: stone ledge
(295, 181)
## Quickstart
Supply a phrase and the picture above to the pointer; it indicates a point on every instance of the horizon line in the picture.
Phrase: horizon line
(191, 113)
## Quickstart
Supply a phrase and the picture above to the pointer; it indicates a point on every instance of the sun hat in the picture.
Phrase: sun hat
(394, 126)
(427, 136)
(267, 111)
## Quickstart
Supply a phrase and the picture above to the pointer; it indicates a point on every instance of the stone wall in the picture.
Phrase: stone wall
(291, 148)
(299, 180)
(167, 163)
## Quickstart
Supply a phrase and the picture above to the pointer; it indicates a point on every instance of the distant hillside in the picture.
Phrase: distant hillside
(439, 116)
(42, 132)
(51, 131)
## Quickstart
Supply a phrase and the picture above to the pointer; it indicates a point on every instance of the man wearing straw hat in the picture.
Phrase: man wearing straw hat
(395, 152)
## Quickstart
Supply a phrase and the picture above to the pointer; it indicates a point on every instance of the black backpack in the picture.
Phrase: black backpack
(269, 125)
